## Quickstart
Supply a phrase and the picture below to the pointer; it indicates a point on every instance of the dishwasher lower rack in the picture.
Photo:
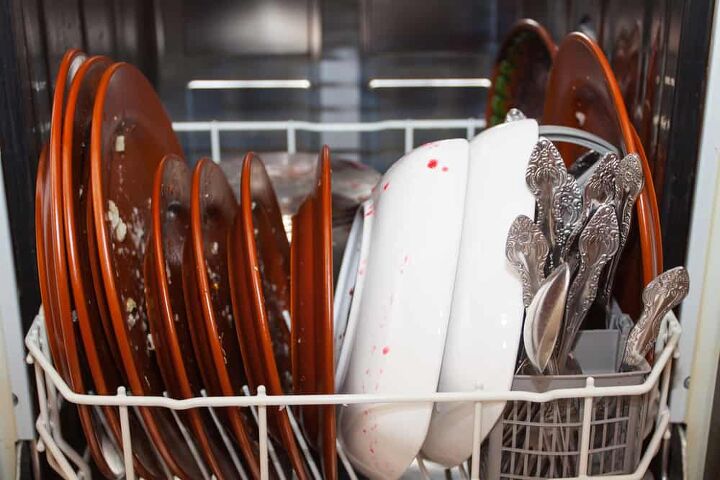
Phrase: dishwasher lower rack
(640, 408)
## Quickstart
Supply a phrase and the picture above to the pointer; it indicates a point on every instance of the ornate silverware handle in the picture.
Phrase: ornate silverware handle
(629, 183)
(526, 249)
(545, 173)
(665, 292)
(598, 243)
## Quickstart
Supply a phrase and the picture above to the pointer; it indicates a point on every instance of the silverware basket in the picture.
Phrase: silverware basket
(535, 440)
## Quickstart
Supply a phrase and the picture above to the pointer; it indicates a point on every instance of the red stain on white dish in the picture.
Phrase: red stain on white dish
(432, 163)
(385, 350)
(444, 169)
(386, 185)
(370, 212)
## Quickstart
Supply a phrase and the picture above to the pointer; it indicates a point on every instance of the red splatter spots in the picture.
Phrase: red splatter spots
(370, 211)
(367, 371)
(386, 185)
(444, 169)
(432, 163)
(364, 430)
(372, 450)
(385, 350)
(366, 411)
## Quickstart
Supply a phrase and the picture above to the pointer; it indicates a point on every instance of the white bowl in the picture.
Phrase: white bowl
(405, 305)
(349, 289)
(487, 310)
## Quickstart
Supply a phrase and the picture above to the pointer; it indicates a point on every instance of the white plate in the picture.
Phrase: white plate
(487, 311)
(405, 305)
(348, 291)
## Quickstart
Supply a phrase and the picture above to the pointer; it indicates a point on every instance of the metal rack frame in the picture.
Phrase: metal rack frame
(51, 387)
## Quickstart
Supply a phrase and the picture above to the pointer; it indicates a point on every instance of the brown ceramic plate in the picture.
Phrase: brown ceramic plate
(102, 355)
(259, 259)
(583, 93)
(130, 135)
(520, 72)
(312, 312)
(166, 305)
(41, 212)
(207, 291)
(56, 268)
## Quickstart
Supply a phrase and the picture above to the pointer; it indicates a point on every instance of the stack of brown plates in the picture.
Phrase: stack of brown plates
(158, 278)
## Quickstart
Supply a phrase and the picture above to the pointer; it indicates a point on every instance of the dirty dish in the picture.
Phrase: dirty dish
(487, 303)
(130, 135)
(405, 306)
(259, 263)
(311, 311)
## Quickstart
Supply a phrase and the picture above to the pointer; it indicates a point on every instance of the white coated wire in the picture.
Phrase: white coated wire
(50, 439)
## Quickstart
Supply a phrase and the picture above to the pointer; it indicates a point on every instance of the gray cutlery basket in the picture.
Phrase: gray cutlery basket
(542, 440)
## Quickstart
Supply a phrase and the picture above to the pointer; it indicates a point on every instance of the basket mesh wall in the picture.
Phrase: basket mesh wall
(542, 440)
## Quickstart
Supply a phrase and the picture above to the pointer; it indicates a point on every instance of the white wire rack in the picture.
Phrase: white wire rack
(51, 389)
(291, 127)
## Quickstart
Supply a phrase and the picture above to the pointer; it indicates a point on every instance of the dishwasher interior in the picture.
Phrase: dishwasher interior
(369, 78)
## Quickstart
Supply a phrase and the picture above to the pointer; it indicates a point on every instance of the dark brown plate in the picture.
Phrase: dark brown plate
(312, 312)
(259, 259)
(207, 291)
(102, 355)
(56, 265)
(131, 133)
(583, 93)
(166, 305)
(520, 72)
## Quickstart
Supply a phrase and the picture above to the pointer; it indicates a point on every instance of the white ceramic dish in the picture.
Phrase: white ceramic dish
(349, 289)
(405, 305)
(487, 311)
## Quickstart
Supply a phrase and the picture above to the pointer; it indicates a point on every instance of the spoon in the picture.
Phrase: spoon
(545, 173)
(629, 183)
(545, 316)
(567, 215)
(665, 292)
(600, 187)
(598, 242)
(526, 249)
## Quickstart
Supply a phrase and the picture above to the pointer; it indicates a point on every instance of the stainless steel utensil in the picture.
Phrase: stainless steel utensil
(665, 292)
(559, 201)
(526, 249)
(568, 218)
(598, 242)
(628, 184)
(599, 189)
(544, 317)
(545, 173)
